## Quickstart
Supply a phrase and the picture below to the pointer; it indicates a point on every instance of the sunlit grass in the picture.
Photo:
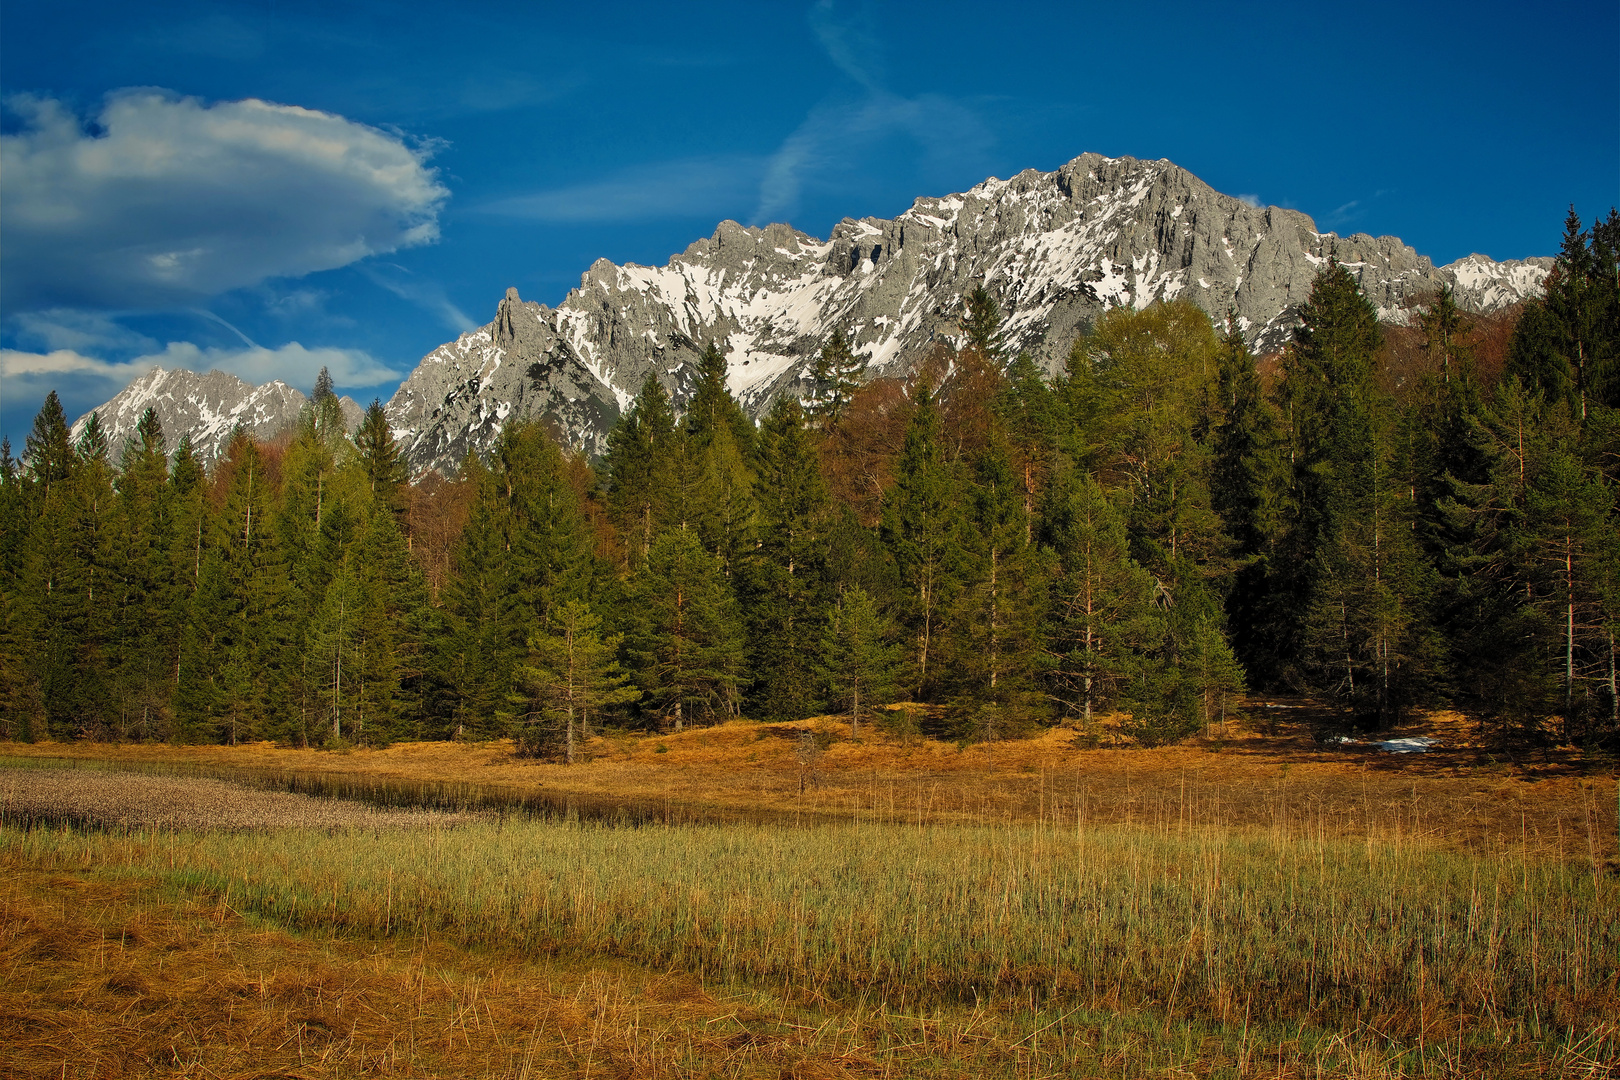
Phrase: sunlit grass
(1410, 942)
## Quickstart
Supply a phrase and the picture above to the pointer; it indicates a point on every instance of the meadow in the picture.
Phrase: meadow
(905, 930)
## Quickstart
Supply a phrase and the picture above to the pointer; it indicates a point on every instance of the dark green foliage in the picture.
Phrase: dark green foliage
(1567, 344)
(837, 376)
(1137, 542)
(569, 678)
(382, 459)
(783, 583)
(640, 464)
(981, 323)
(685, 635)
(860, 661)
(524, 552)
(922, 531)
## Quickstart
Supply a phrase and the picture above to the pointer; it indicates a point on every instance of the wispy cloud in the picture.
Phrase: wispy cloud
(841, 131)
(1251, 201)
(1343, 215)
(686, 187)
(427, 295)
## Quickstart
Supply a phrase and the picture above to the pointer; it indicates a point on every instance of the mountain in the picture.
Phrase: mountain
(1055, 249)
(206, 407)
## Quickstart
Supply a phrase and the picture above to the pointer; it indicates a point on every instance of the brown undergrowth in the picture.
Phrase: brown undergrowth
(1265, 772)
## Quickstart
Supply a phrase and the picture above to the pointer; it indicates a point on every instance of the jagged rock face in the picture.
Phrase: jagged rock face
(206, 407)
(1055, 250)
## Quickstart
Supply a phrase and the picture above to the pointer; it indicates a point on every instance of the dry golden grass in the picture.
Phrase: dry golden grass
(109, 979)
(1259, 775)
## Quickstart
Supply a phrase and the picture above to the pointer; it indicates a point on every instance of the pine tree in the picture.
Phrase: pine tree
(981, 324)
(860, 663)
(837, 375)
(922, 531)
(1106, 623)
(382, 459)
(639, 461)
(47, 456)
(1249, 489)
(241, 613)
(686, 642)
(993, 640)
(1567, 343)
(1364, 586)
(783, 584)
(571, 675)
(144, 625)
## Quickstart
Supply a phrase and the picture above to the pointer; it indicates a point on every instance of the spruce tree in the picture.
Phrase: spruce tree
(860, 663)
(638, 463)
(1106, 623)
(570, 676)
(382, 459)
(783, 584)
(981, 325)
(685, 640)
(921, 529)
(836, 375)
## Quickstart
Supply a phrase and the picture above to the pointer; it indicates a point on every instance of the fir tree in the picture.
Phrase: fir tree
(1105, 623)
(382, 459)
(47, 455)
(686, 642)
(922, 531)
(837, 375)
(783, 585)
(570, 676)
(981, 325)
(638, 463)
(860, 661)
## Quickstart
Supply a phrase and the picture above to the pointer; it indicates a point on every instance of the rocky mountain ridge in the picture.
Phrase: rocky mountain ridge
(1055, 250)
(207, 407)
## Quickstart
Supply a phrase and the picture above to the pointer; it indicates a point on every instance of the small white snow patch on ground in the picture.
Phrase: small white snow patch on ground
(1417, 744)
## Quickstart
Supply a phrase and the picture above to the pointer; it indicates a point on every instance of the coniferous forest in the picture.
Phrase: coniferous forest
(1392, 518)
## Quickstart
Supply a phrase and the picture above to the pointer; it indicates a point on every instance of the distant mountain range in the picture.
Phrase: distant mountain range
(1054, 249)
(205, 407)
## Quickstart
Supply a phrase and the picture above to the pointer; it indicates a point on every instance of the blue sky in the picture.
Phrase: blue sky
(269, 187)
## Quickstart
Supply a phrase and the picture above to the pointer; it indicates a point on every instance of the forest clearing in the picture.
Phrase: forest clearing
(781, 900)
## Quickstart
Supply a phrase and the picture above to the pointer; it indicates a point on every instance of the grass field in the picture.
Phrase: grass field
(1249, 907)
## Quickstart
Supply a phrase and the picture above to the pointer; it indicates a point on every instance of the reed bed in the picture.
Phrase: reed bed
(1407, 942)
(103, 799)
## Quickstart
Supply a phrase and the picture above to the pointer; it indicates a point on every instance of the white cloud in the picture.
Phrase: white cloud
(691, 187)
(1251, 201)
(168, 200)
(291, 363)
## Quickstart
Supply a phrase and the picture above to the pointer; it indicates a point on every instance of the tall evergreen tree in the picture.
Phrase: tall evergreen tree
(783, 585)
(639, 465)
(921, 528)
(685, 642)
(860, 663)
(570, 676)
(837, 375)
(981, 324)
(382, 459)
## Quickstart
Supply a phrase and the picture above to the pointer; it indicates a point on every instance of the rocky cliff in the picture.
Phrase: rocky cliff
(1055, 250)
